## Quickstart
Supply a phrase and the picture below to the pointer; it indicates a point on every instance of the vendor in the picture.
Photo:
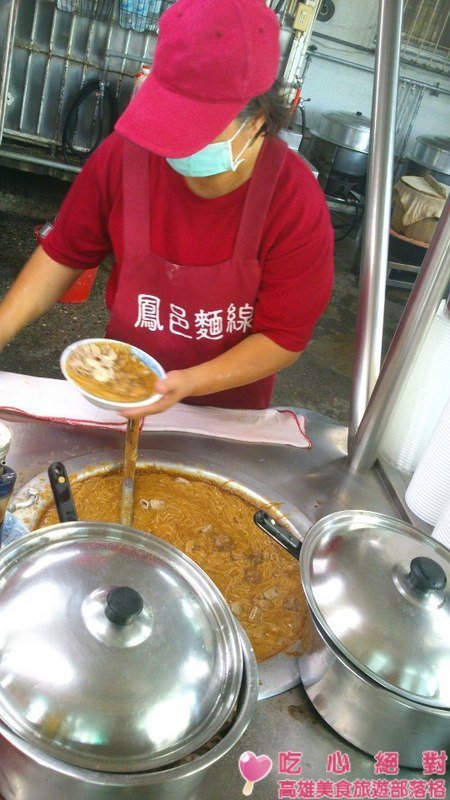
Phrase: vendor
(220, 234)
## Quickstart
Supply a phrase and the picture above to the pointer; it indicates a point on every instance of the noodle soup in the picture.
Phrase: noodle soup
(214, 526)
(111, 371)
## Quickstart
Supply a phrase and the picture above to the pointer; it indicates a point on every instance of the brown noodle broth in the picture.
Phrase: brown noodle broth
(214, 526)
(131, 379)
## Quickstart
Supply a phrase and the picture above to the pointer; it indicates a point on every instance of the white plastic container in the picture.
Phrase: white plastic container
(423, 398)
(429, 489)
(442, 530)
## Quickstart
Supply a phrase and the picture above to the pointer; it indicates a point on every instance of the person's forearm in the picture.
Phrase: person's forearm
(252, 359)
(41, 282)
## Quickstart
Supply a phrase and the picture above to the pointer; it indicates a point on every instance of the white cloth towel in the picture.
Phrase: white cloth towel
(58, 401)
(419, 199)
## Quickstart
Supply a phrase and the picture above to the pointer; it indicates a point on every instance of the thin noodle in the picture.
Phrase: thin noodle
(214, 526)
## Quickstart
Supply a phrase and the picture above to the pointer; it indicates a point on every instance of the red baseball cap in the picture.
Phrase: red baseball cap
(211, 58)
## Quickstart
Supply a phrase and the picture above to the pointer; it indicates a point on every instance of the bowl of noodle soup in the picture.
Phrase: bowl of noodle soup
(112, 375)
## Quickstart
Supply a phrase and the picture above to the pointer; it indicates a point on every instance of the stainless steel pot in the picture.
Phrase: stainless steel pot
(31, 775)
(120, 661)
(376, 651)
(433, 152)
(345, 129)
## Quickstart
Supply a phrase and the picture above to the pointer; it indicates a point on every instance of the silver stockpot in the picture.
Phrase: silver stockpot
(345, 129)
(375, 658)
(377, 654)
(433, 152)
(123, 673)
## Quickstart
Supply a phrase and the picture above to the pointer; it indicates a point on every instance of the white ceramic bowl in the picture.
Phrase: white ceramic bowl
(113, 405)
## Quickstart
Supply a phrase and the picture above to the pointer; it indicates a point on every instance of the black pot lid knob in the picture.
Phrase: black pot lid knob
(426, 575)
(123, 605)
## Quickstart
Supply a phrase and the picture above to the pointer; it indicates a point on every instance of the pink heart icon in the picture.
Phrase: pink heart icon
(254, 768)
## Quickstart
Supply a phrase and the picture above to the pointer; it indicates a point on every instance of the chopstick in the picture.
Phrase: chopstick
(129, 469)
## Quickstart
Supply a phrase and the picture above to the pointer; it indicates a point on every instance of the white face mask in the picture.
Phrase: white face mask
(211, 160)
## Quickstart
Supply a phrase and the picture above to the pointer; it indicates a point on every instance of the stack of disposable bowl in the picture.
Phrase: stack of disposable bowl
(428, 492)
(422, 400)
(442, 530)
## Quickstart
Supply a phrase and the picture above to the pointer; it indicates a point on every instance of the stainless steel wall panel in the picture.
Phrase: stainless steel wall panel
(8, 17)
(15, 89)
(51, 56)
(33, 88)
(43, 25)
(97, 44)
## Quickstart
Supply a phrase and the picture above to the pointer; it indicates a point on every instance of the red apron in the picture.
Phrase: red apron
(185, 315)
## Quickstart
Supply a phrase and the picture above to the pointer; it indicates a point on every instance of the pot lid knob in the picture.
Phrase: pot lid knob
(426, 575)
(123, 605)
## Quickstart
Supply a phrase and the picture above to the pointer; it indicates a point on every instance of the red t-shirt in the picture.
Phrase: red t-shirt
(296, 250)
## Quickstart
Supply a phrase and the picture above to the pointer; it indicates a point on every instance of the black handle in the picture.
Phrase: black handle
(62, 493)
(269, 525)
(123, 605)
(426, 575)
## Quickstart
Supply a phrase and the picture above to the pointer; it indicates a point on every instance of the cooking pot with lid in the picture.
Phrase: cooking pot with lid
(433, 152)
(341, 145)
(346, 129)
(123, 674)
(378, 647)
(376, 651)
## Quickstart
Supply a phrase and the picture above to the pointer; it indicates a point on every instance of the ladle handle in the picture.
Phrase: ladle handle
(62, 493)
(129, 469)
(269, 525)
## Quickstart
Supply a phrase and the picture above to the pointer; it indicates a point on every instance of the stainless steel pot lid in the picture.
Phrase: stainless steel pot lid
(114, 679)
(433, 152)
(349, 119)
(347, 129)
(380, 590)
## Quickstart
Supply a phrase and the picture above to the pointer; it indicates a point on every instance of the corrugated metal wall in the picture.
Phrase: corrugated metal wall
(49, 56)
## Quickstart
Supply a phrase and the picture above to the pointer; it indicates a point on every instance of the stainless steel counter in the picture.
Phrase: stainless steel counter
(315, 482)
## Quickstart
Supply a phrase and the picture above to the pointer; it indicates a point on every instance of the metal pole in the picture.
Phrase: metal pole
(42, 162)
(430, 286)
(435, 89)
(374, 255)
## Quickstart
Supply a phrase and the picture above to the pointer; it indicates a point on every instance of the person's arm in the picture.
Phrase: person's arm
(41, 283)
(79, 240)
(254, 358)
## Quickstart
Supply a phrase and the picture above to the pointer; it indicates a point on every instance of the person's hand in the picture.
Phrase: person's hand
(174, 387)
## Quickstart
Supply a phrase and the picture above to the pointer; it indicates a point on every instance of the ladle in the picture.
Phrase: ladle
(129, 469)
